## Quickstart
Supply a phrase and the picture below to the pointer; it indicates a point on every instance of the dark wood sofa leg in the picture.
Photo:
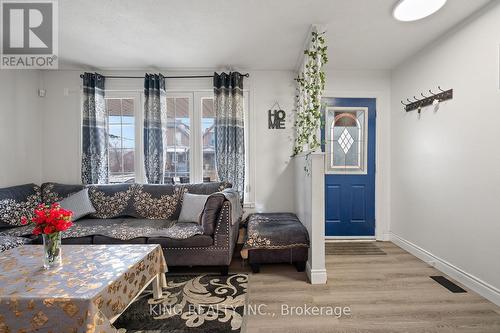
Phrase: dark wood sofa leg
(300, 265)
(224, 270)
(255, 268)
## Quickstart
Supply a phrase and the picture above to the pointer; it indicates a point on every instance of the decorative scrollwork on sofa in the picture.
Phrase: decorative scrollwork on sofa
(12, 210)
(161, 208)
(110, 205)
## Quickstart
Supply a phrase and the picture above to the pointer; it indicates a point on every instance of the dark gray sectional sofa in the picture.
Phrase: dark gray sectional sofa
(137, 214)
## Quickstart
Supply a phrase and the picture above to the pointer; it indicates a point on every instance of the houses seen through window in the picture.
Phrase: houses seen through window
(177, 166)
(121, 131)
(208, 139)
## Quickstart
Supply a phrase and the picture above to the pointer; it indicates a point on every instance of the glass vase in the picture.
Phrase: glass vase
(52, 252)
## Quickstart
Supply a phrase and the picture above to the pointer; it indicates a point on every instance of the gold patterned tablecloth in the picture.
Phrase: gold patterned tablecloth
(94, 284)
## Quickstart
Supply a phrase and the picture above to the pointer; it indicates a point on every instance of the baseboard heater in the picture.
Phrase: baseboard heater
(448, 284)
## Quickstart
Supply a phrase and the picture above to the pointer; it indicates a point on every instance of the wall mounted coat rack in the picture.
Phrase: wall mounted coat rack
(418, 104)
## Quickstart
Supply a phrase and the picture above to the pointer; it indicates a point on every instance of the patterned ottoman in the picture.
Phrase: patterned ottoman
(275, 238)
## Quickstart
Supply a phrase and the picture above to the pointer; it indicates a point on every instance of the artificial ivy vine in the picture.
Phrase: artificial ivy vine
(310, 86)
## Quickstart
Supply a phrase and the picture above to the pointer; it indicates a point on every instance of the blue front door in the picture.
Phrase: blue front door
(349, 144)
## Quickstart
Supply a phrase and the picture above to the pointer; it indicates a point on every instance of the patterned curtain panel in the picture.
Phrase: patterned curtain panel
(229, 129)
(94, 131)
(155, 125)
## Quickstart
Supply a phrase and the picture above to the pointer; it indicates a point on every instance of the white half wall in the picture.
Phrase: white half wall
(445, 164)
(20, 128)
(310, 209)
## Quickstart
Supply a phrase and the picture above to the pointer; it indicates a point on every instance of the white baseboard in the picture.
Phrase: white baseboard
(316, 276)
(470, 281)
(384, 237)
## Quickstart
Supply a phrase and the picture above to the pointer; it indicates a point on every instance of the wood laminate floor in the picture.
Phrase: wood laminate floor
(386, 293)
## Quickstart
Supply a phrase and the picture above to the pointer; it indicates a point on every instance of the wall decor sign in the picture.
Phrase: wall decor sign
(276, 117)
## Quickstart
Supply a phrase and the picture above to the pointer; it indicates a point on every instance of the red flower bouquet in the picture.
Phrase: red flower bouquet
(49, 219)
(49, 222)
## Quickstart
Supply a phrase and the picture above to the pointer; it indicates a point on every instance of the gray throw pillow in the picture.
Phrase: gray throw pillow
(79, 203)
(192, 207)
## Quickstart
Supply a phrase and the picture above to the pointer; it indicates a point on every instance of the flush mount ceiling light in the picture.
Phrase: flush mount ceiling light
(413, 10)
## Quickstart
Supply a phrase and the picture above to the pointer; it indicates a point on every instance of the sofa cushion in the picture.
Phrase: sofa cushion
(18, 201)
(205, 188)
(211, 213)
(10, 242)
(89, 222)
(157, 202)
(100, 239)
(55, 192)
(78, 240)
(22, 231)
(194, 241)
(111, 201)
(130, 228)
(78, 203)
(88, 227)
(192, 207)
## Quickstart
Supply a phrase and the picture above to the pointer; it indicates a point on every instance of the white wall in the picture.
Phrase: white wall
(271, 148)
(61, 126)
(274, 173)
(446, 164)
(371, 84)
(20, 128)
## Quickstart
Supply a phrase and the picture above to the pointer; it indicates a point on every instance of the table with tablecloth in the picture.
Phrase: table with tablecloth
(94, 285)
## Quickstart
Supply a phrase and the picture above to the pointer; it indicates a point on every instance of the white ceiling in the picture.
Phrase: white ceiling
(246, 34)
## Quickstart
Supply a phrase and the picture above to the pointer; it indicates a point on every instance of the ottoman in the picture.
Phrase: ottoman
(275, 238)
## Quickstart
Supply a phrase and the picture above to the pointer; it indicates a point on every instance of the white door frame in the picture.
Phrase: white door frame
(382, 180)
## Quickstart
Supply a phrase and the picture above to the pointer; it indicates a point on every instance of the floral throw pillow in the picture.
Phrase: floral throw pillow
(18, 201)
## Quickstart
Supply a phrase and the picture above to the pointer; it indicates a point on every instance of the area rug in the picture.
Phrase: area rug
(353, 249)
(203, 303)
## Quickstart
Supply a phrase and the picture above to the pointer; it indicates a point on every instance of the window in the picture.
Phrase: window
(190, 140)
(346, 140)
(121, 129)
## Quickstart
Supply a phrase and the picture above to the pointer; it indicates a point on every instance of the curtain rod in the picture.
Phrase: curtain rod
(166, 77)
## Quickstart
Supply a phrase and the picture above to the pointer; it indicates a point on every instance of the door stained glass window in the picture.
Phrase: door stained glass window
(346, 140)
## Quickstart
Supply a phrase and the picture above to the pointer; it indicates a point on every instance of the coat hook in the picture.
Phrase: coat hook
(439, 87)
(433, 94)
(423, 95)
(403, 103)
(416, 99)
(409, 100)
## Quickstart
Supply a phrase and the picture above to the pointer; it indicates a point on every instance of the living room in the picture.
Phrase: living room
(231, 166)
